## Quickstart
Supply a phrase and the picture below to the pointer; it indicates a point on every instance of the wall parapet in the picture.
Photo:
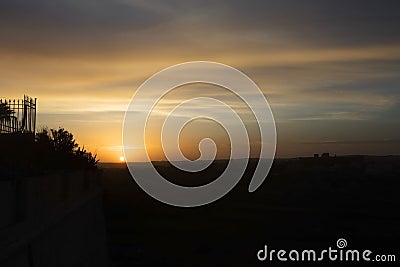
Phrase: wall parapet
(44, 212)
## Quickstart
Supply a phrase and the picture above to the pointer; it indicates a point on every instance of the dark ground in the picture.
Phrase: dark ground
(303, 204)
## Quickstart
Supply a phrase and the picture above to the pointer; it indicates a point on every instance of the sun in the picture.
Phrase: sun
(122, 159)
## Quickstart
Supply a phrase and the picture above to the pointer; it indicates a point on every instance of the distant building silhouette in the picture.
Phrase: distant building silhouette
(325, 155)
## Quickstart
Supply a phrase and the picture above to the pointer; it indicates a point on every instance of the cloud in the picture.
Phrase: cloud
(346, 142)
(71, 27)
(322, 62)
(343, 115)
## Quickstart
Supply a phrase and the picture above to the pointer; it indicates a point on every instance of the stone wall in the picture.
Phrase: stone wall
(52, 220)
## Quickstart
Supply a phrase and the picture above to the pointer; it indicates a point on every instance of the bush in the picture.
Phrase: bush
(58, 149)
(26, 154)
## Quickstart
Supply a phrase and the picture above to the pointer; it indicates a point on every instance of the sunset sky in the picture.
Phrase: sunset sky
(329, 69)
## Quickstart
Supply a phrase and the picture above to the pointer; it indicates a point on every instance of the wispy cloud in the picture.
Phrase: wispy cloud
(334, 116)
(317, 62)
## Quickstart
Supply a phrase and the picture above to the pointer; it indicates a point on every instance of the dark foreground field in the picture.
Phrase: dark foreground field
(303, 204)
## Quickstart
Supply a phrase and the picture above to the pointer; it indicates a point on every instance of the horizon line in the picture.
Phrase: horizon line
(253, 158)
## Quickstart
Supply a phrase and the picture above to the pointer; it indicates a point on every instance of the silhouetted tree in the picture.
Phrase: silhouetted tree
(87, 158)
(6, 115)
(43, 137)
(63, 141)
(5, 111)
(58, 149)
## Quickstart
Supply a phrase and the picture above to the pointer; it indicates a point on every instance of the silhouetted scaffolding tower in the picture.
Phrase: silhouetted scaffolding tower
(18, 115)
